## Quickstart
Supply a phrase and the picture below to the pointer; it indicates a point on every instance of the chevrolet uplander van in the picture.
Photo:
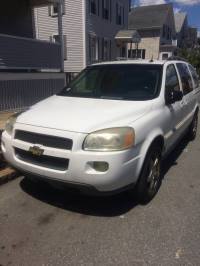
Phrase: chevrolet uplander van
(109, 129)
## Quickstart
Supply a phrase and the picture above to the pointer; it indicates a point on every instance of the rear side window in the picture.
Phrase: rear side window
(195, 76)
(172, 82)
(186, 78)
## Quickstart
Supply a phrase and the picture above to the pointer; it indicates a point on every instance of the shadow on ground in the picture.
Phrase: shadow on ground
(111, 206)
(74, 201)
(172, 158)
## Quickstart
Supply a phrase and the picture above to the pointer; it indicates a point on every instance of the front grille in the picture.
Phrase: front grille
(45, 140)
(50, 162)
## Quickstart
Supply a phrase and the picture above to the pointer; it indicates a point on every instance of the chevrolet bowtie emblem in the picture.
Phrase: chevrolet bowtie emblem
(36, 151)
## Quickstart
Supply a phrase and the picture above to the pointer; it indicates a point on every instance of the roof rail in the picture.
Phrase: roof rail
(176, 58)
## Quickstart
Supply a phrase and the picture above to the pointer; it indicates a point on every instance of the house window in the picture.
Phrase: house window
(94, 7)
(167, 32)
(123, 52)
(137, 53)
(53, 9)
(106, 49)
(56, 39)
(93, 49)
(119, 14)
(106, 9)
(165, 56)
(164, 31)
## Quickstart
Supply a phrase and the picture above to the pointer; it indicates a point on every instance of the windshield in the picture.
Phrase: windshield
(121, 82)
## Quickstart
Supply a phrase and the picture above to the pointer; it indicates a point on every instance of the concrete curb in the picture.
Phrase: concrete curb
(8, 174)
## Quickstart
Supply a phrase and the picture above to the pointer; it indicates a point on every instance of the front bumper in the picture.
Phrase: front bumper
(123, 166)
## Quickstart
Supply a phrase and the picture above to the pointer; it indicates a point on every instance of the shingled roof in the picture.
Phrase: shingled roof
(145, 17)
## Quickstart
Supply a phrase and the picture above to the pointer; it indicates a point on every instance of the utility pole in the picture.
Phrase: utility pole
(60, 32)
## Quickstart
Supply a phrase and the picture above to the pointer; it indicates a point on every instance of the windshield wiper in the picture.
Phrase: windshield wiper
(111, 98)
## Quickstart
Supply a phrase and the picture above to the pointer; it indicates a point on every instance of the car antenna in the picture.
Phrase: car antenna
(151, 60)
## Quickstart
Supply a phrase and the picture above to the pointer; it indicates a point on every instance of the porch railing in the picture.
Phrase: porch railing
(27, 54)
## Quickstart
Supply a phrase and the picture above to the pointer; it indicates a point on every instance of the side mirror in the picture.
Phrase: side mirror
(174, 96)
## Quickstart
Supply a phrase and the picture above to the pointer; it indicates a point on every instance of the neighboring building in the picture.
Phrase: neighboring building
(192, 39)
(89, 29)
(156, 27)
(23, 58)
(181, 25)
(186, 36)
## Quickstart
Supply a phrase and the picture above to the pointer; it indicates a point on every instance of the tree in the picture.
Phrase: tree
(192, 56)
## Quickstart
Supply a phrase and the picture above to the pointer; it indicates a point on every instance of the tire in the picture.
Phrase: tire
(192, 133)
(151, 178)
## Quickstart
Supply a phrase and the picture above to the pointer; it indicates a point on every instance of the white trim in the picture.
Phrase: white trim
(169, 134)
(36, 23)
(179, 125)
(84, 25)
(52, 13)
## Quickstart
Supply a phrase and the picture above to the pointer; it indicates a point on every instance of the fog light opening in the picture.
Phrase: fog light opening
(101, 166)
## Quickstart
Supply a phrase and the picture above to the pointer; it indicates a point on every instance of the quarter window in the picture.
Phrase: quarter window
(195, 76)
(186, 78)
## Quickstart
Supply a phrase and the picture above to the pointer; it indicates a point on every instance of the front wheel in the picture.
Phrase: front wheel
(192, 133)
(150, 179)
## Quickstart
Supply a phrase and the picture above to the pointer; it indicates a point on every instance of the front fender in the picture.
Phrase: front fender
(146, 144)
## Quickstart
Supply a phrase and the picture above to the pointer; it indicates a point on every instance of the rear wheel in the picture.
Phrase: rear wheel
(193, 127)
(150, 178)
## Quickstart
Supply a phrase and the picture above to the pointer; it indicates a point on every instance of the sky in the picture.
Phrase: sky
(192, 7)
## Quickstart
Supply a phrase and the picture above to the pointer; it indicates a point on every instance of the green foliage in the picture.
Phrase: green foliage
(192, 56)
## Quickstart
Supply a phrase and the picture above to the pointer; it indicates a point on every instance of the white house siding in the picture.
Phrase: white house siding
(73, 29)
(150, 42)
(102, 28)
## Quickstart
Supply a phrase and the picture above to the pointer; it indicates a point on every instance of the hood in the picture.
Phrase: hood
(83, 115)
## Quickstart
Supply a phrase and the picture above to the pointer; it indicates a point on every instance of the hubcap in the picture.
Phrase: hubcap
(154, 174)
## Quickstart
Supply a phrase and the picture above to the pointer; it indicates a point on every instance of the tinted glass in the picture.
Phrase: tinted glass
(186, 78)
(123, 82)
(195, 76)
(172, 82)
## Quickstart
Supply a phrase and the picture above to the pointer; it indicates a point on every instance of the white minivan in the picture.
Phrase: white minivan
(109, 129)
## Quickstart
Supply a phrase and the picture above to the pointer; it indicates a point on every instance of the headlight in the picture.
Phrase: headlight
(10, 123)
(113, 139)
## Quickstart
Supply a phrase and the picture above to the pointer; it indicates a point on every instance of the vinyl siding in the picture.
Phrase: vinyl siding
(78, 25)
(46, 26)
(107, 29)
